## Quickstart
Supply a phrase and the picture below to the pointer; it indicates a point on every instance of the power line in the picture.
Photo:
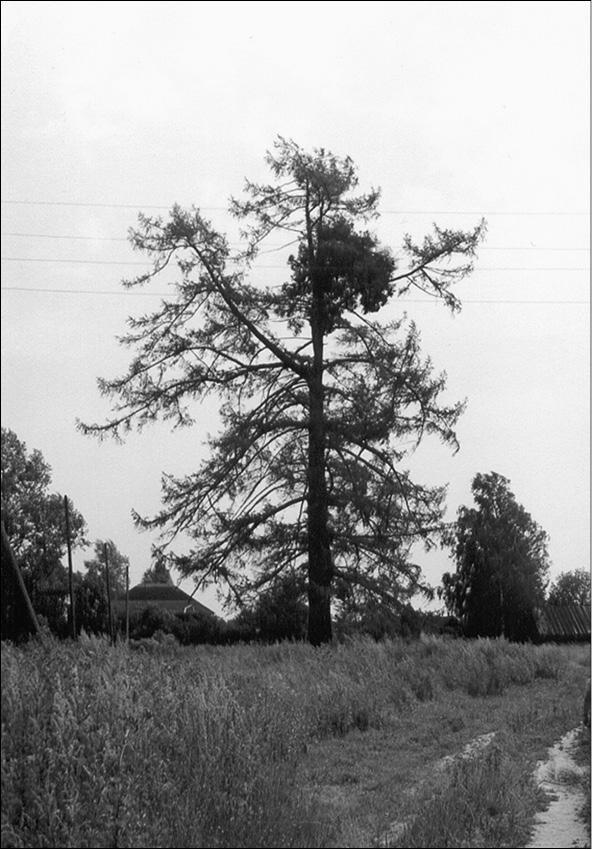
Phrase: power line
(146, 262)
(225, 209)
(60, 236)
(124, 239)
(76, 261)
(404, 301)
(486, 212)
(83, 291)
(91, 204)
(268, 250)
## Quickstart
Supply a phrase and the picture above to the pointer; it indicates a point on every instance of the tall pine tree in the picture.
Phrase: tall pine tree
(316, 397)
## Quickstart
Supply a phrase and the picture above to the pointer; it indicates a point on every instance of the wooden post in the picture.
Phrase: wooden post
(108, 581)
(70, 573)
(9, 559)
(127, 603)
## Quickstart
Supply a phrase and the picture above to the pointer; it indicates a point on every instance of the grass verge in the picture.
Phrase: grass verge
(218, 747)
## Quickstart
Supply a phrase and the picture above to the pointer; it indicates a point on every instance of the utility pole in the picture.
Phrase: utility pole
(70, 573)
(108, 582)
(127, 603)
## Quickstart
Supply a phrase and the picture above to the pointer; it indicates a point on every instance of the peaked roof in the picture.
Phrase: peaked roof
(159, 590)
(155, 592)
(564, 621)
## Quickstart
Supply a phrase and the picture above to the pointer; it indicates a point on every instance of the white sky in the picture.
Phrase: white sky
(456, 110)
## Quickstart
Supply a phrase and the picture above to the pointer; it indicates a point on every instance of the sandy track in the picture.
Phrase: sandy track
(560, 825)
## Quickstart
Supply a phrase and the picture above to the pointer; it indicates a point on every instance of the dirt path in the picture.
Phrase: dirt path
(368, 784)
(470, 750)
(561, 824)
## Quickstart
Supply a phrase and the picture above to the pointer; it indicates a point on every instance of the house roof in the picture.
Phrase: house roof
(571, 622)
(154, 593)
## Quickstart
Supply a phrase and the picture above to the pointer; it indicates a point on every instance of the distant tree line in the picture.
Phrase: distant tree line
(500, 579)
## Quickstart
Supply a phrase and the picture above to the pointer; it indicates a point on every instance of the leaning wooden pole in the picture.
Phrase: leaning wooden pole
(11, 564)
(108, 583)
(70, 572)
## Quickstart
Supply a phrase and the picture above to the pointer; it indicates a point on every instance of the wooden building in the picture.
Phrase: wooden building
(167, 597)
(563, 623)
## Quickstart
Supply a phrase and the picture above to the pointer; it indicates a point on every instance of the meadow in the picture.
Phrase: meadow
(278, 746)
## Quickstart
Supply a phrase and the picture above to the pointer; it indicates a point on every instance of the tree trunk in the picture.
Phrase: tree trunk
(319, 612)
(320, 567)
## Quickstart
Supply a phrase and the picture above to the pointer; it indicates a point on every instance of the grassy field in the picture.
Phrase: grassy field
(279, 746)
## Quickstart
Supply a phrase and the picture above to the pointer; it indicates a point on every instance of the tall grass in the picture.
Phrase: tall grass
(480, 802)
(197, 747)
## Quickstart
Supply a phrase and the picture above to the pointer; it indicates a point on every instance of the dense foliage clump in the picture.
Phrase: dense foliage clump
(501, 563)
(572, 587)
(35, 523)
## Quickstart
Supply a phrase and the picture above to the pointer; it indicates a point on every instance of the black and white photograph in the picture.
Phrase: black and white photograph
(295, 481)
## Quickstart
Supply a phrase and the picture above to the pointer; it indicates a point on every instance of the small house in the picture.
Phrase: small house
(167, 597)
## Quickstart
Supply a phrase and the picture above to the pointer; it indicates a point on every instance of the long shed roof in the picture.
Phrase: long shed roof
(564, 622)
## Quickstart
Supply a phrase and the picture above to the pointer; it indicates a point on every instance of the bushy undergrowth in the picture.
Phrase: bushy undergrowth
(186, 747)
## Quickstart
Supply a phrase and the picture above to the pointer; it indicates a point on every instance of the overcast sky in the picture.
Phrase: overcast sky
(456, 110)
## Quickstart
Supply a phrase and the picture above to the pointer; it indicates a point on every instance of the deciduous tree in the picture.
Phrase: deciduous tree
(92, 611)
(35, 526)
(501, 563)
(157, 573)
(317, 398)
(279, 613)
(571, 588)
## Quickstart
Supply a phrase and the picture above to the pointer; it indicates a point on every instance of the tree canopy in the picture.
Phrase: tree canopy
(33, 517)
(501, 563)
(572, 587)
(35, 526)
(317, 399)
(279, 613)
(118, 565)
(92, 610)
(157, 573)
